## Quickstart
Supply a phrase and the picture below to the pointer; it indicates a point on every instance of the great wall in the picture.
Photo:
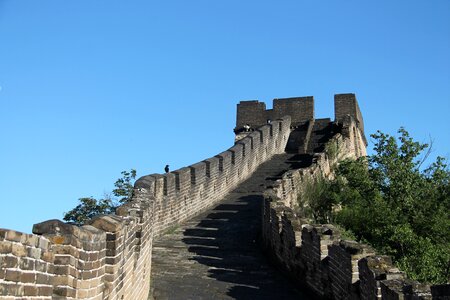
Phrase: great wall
(199, 232)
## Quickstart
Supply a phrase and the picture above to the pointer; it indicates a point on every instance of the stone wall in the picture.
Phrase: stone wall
(346, 105)
(181, 194)
(110, 257)
(255, 114)
(315, 256)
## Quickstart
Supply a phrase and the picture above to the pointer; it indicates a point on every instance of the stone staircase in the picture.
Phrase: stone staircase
(216, 254)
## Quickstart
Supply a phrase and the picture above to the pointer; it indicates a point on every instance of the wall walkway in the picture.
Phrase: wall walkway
(217, 255)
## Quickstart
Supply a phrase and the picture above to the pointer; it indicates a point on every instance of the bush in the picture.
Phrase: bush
(389, 201)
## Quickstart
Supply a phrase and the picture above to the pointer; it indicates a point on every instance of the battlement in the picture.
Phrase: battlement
(111, 256)
(254, 113)
(301, 110)
(347, 105)
(308, 134)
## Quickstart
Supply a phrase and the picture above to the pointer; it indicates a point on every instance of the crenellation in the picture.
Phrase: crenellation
(372, 270)
(238, 154)
(158, 183)
(253, 114)
(403, 289)
(110, 257)
(332, 268)
(213, 169)
(192, 176)
(169, 185)
(184, 180)
(146, 182)
(300, 109)
(210, 180)
(199, 171)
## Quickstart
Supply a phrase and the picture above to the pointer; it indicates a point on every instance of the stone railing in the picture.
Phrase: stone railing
(110, 257)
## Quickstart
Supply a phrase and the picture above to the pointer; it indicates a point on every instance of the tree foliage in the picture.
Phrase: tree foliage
(391, 202)
(90, 207)
(124, 186)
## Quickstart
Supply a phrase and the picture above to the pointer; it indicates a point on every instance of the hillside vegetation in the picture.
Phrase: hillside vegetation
(392, 202)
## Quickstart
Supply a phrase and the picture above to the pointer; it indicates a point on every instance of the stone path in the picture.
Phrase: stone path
(216, 256)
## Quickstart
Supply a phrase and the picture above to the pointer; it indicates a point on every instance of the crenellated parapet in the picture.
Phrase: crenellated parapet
(308, 133)
(110, 256)
(255, 114)
(183, 193)
(317, 256)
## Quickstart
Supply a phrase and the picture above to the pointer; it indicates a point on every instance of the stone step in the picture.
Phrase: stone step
(216, 256)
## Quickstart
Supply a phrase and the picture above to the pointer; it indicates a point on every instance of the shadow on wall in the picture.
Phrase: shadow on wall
(225, 241)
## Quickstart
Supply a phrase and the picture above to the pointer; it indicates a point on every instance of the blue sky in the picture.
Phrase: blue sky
(91, 88)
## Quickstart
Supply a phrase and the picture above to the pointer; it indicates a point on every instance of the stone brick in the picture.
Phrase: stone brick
(43, 243)
(62, 291)
(34, 253)
(43, 279)
(94, 256)
(5, 247)
(8, 289)
(8, 262)
(13, 275)
(15, 236)
(28, 277)
(82, 294)
(61, 280)
(19, 250)
(45, 291)
(31, 290)
(47, 256)
(40, 266)
(64, 260)
(31, 240)
(26, 263)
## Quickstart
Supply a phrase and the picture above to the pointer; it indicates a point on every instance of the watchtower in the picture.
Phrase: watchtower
(308, 134)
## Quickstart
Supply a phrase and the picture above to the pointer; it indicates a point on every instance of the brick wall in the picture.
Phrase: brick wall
(301, 109)
(181, 194)
(315, 256)
(346, 105)
(110, 257)
(254, 113)
(26, 265)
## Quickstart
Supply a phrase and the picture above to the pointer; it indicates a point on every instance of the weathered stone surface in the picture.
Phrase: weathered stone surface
(108, 223)
(216, 255)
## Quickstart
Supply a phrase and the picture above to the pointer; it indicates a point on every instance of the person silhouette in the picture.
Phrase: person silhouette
(166, 169)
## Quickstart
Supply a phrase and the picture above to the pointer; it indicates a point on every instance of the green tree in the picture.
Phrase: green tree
(90, 207)
(391, 202)
(124, 186)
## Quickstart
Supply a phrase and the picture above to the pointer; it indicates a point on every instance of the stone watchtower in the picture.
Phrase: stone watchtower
(308, 135)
